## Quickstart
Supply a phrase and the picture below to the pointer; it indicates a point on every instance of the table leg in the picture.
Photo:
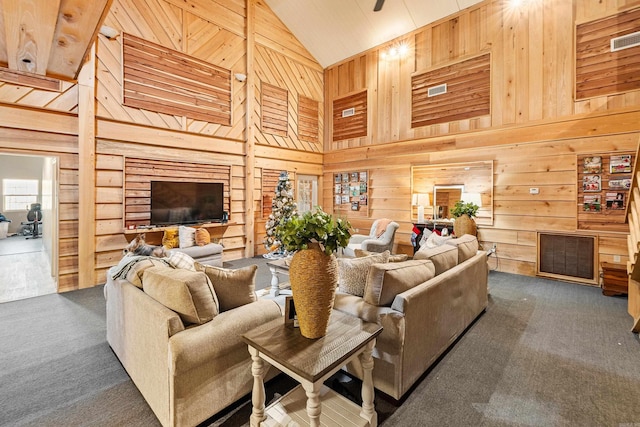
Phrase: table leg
(258, 371)
(314, 406)
(368, 409)
(275, 282)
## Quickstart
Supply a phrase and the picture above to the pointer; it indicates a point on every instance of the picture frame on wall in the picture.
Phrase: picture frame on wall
(620, 163)
(592, 203)
(338, 199)
(354, 176)
(592, 164)
(591, 183)
(614, 200)
(620, 184)
(355, 206)
(345, 177)
(337, 178)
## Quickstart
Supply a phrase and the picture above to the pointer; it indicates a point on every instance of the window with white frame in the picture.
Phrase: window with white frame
(19, 193)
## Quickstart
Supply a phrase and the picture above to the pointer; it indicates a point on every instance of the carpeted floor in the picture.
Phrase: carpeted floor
(545, 353)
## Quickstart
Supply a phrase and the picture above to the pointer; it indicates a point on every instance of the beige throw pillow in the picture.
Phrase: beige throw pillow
(467, 247)
(202, 236)
(352, 272)
(385, 281)
(186, 292)
(443, 257)
(233, 287)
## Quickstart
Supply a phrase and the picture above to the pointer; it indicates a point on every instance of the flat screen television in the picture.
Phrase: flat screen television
(174, 202)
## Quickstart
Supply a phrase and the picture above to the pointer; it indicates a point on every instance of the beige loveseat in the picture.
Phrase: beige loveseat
(188, 361)
(423, 304)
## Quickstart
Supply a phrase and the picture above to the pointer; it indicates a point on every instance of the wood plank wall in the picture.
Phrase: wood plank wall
(533, 133)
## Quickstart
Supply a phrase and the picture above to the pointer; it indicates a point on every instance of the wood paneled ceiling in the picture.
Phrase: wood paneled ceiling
(49, 38)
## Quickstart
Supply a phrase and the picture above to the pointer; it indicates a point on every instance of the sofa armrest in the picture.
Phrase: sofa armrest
(218, 337)
(374, 245)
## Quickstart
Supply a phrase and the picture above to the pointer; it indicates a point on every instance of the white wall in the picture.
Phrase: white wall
(18, 167)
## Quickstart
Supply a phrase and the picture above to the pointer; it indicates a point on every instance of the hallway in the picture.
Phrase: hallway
(24, 269)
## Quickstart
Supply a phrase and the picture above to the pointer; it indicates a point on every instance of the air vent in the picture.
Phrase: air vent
(437, 90)
(625, 42)
(349, 112)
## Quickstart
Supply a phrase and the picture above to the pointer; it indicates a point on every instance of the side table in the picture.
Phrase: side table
(278, 267)
(311, 362)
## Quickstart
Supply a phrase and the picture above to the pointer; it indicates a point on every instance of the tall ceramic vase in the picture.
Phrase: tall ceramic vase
(314, 277)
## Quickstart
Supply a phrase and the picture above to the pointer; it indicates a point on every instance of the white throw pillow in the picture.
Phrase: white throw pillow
(187, 236)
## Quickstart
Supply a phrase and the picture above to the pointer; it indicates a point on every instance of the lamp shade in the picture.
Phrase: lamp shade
(421, 199)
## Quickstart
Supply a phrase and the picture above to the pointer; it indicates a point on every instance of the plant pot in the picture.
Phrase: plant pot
(314, 278)
(464, 225)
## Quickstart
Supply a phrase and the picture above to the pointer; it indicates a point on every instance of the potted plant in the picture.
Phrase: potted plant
(464, 212)
(313, 237)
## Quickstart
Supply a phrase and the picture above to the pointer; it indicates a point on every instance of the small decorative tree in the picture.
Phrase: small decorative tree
(283, 209)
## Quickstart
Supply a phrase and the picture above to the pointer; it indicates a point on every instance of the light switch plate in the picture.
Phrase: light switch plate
(534, 190)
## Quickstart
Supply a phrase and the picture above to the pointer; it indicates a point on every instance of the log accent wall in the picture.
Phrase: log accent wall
(308, 119)
(600, 71)
(355, 124)
(275, 117)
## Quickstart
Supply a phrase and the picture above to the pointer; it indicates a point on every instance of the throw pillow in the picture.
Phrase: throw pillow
(467, 247)
(186, 292)
(233, 287)
(385, 281)
(352, 272)
(202, 236)
(170, 238)
(436, 240)
(443, 257)
(392, 257)
(179, 259)
(186, 236)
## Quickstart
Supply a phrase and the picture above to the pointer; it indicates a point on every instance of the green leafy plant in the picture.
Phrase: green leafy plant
(314, 226)
(462, 208)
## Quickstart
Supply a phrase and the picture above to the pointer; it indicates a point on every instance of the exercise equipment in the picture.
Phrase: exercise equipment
(34, 221)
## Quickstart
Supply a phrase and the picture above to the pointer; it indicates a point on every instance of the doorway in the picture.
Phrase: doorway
(29, 207)
(307, 192)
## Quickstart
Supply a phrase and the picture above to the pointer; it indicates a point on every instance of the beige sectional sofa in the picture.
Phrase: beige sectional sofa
(423, 304)
(177, 333)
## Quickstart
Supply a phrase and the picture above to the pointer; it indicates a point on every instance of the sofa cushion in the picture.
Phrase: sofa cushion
(443, 257)
(467, 247)
(170, 238)
(385, 281)
(392, 257)
(232, 287)
(186, 236)
(352, 272)
(186, 292)
(202, 236)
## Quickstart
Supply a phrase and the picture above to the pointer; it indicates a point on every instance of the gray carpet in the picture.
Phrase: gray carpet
(545, 353)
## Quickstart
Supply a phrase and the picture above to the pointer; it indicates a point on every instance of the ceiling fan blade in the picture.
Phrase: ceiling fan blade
(378, 6)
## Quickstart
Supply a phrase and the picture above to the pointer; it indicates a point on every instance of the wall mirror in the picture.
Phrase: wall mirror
(445, 184)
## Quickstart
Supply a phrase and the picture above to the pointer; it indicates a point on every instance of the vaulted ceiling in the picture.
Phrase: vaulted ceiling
(51, 38)
(333, 30)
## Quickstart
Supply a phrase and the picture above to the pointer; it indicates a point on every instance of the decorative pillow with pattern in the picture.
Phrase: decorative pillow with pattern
(352, 272)
(132, 267)
(392, 257)
(179, 259)
(186, 236)
(171, 238)
(202, 236)
(232, 287)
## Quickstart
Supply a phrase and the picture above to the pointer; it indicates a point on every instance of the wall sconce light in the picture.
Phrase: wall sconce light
(396, 50)
(108, 32)
(240, 77)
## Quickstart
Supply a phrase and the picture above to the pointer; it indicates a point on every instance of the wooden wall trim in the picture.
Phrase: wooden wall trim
(151, 136)
(270, 152)
(34, 119)
(611, 123)
(250, 132)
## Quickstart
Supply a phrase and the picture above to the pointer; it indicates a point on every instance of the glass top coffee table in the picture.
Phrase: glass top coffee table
(311, 362)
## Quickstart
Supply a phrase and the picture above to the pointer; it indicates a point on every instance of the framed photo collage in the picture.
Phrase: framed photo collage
(351, 192)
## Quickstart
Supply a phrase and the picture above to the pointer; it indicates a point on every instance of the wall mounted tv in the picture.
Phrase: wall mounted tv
(175, 202)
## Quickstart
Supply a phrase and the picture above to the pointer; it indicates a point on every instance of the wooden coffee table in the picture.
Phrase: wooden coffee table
(311, 362)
